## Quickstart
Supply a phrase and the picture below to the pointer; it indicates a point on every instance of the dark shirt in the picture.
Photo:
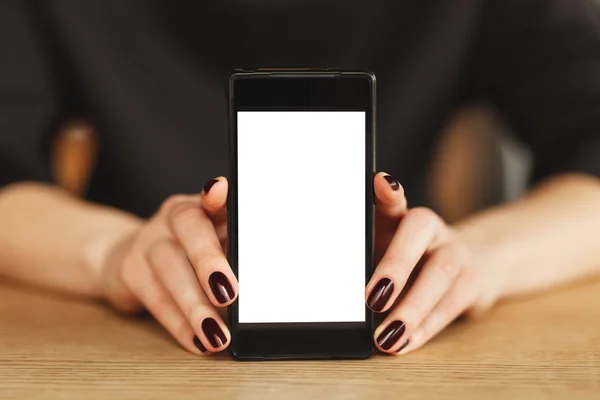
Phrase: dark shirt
(151, 77)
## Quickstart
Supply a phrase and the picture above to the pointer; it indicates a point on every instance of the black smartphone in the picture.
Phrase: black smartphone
(300, 213)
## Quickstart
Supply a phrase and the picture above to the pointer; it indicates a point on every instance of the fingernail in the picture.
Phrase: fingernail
(403, 346)
(381, 294)
(221, 288)
(213, 332)
(390, 335)
(394, 184)
(209, 185)
(199, 344)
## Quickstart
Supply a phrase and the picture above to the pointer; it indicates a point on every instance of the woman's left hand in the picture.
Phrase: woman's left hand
(427, 275)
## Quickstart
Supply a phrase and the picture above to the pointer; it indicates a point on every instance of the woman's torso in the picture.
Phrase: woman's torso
(151, 77)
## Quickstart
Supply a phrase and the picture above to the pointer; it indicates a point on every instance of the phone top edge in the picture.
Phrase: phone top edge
(295, 73)
(288, 72)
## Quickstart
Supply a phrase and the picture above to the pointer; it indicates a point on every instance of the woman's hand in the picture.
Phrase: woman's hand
(427, 275)
(175, 266)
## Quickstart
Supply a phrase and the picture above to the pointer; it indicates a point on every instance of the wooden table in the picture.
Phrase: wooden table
(547, 347)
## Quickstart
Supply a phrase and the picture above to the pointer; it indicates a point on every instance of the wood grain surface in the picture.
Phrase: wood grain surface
(54, 348)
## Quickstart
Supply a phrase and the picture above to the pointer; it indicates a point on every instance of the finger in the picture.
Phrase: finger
(214, 198)
(417, 232)
(214, 202)
(453, 304)
(172, 268)
(437, 276)
(215, 335)
(221, 230)
(196, 233)
(389, 194)
(172, 202)
(139, 278)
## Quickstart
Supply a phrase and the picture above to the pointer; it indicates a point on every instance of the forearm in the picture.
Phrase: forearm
(51, 239)
(549, 237)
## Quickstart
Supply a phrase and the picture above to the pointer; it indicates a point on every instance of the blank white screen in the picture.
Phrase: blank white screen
(301, 216)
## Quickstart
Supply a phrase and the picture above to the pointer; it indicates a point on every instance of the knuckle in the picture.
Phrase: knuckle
(397, 261)
(185, 213)
(205, 255)
(160, 252)
(171, 202)
(471, 278)
(445, 262)
(429, 328)
(440, 318)
(158, 302)
(448, 269)
(412, 314)
(452, 309)
(423, 215)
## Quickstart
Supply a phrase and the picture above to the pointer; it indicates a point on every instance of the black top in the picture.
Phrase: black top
(151, 77)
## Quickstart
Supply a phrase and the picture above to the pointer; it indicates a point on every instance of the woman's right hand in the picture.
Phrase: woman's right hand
(175, 267)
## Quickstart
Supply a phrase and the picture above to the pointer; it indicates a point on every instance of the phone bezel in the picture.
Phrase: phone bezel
(301, 90)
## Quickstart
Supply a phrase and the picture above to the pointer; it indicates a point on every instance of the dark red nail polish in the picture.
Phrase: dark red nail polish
(403, 346)
(209, 185)
(221, 287)
(391, 334)
(199, 344)
(380, 294)
(395, 185)
(213, 332)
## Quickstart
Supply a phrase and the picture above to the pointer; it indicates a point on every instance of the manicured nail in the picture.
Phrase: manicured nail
(391, 334)
(221, 287)
(381, 294)
(213, 332)
(403, 346)
(209, 185)
(394, 184)
(199, 344)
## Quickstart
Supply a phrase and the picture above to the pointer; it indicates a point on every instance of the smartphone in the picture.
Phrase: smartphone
(300, 213)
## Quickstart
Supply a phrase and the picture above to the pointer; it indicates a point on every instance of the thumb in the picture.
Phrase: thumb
(389, 194)
(214, 197)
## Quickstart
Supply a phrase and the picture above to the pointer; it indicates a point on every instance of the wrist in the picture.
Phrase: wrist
(489, 258)
(100, 246)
